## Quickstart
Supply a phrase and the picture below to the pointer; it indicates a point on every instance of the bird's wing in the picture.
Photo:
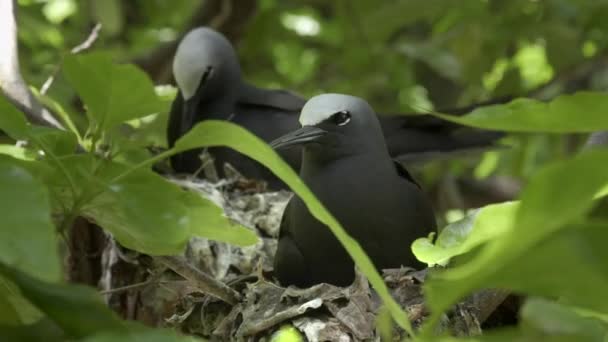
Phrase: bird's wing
(432, 123)
(175, 120)
(404, 173)
(289, 264)
(279, 99)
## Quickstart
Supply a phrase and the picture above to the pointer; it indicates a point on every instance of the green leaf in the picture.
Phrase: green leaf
(42, 330)
(570, 265)
(77, 309)
(548, 204)
(59, 109)
(551, 318)
(18, 307)
(543, 320)
(147, 335)
(17, 152)
(8, 311)
(57, 142)
(222, 133)
(27, 235)
(463, 235)
(144, 211)
(581, 112)
(208, 221)
(12, 121)
(113, 93)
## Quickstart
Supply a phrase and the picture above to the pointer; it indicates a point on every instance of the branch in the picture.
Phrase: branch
(75, 50)
(12, 84)
(201, 280)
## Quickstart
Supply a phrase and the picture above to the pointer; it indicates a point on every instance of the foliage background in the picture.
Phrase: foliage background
(402, 56)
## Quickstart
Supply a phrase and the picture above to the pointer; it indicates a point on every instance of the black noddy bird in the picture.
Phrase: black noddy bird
(346, 164)
(208, 75)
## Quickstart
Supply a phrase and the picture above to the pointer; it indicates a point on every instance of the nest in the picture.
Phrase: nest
(320, 313)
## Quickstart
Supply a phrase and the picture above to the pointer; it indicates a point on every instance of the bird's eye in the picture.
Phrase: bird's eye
(341, 118)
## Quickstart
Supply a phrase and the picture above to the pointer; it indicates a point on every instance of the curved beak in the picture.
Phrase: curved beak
(302, 136)
(191, 105)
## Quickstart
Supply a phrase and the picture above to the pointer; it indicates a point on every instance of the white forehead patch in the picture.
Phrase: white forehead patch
(188, 64)
(316, 115)
(322, 107)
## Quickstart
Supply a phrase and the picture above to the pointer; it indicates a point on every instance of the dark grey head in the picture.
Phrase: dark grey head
(205, 63)
(334, 126)
(206, 69)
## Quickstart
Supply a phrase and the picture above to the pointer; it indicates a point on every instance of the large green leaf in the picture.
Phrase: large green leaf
(221, 133)
(144, 211)
(581, 112)
(551, 201)
(571, 264)
(552, 318)
(12, 121)
(55, 141)
(113, 93)
(8, 311)
(15, 308)
(42, 330)
(463, 235)
(77, 309)
(27, 235)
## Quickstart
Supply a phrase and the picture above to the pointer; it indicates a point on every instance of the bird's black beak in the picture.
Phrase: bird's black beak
(191, 105)
(302, 136)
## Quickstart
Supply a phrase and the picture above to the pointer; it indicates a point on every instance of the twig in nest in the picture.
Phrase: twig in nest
(201, 280)
(85, 45)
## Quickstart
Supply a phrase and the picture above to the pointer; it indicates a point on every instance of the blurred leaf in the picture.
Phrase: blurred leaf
(222, 133)
(543, 320)
(438, 59)
(12, 121)
(113, 93)
(17, 152)
(77, 309)
(43, 330)
(8, 312)
(57, 11)
(547, 205)
(22, 310)
(109, 14)
(570, 265)
(550, 318)
(462, 236)
(581, 112)
(147, 335)
(55, 141)
(533, 66)
(27, 235)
